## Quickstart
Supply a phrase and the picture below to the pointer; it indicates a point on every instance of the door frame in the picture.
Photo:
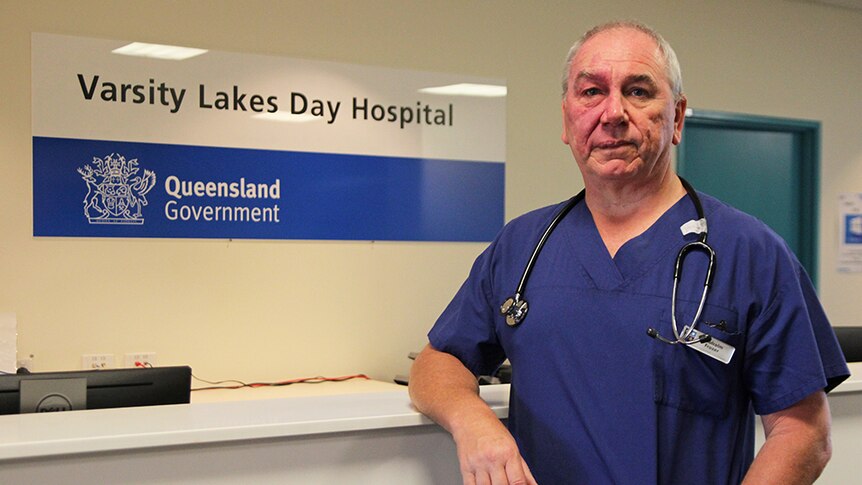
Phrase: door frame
(808, 132)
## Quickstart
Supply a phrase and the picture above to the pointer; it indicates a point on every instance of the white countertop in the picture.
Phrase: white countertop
(220, 416)
(233, 415)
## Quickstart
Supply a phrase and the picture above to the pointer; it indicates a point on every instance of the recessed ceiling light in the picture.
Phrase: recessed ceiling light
(158, 51)
(468, 89)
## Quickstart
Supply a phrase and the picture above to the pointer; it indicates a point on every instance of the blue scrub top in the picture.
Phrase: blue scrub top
(594, 399)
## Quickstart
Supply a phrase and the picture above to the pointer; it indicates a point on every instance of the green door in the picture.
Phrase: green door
(764, 166)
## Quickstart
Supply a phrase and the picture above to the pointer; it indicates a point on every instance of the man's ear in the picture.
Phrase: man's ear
(679, 119)
(563, 136)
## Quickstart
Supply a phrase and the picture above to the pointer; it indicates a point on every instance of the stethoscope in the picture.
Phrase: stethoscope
(515, 307)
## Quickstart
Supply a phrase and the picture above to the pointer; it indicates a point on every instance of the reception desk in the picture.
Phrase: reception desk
(349, 432)
(356, 431)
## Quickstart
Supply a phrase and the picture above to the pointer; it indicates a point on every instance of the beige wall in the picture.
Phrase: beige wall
(279, 309)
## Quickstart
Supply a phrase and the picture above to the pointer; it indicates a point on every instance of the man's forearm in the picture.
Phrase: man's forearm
(444, 390)
(797, 446)
(785, 464)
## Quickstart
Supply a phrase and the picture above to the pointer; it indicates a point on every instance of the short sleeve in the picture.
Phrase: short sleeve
(465, 329)
(834, 364)
(791, 348)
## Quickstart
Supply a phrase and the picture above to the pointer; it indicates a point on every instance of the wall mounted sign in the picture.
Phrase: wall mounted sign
(227, 145)
(850, 232)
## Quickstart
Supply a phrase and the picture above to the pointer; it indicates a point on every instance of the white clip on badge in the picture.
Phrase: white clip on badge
(714, 348)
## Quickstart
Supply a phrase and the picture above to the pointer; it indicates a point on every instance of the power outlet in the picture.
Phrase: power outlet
(97, 361)
(145, 359)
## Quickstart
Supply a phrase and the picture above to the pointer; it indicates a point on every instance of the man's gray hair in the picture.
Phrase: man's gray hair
(672, 69)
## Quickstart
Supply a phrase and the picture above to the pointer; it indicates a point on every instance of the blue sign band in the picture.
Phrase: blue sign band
(94, 188)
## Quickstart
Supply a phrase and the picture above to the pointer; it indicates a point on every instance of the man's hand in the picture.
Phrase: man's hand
(489, 455)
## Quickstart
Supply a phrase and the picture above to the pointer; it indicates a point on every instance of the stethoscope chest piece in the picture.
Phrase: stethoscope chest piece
(514, 309)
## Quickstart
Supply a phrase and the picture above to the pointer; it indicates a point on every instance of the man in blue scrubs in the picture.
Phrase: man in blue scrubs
(594, 400)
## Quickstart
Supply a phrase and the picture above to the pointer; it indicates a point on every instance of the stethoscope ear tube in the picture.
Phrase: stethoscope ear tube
(694, 246)
(683, 337)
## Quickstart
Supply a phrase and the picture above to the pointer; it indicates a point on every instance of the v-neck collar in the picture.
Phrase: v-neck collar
(634, 258)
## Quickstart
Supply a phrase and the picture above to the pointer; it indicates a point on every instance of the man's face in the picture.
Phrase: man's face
(619, 115)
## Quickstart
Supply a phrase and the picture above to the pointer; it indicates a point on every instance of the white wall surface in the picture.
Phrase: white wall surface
(267, 310)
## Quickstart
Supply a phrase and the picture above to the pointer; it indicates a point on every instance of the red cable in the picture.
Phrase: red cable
(304, 380)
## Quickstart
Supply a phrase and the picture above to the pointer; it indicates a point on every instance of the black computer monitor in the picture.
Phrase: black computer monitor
(94, 389)
(850, 339)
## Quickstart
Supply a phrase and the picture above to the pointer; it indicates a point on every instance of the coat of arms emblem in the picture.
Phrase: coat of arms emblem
(115, 191)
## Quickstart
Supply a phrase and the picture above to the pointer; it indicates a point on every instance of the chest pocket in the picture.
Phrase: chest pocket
(688, 380)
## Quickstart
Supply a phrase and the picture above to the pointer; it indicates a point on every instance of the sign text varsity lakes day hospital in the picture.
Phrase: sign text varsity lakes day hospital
(153, 135)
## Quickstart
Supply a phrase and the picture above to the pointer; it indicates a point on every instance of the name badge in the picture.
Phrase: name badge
(715, 348)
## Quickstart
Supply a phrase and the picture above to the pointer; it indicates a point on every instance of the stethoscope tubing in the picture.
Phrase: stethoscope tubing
(515, 307)
(571, 203)
(683, 337)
